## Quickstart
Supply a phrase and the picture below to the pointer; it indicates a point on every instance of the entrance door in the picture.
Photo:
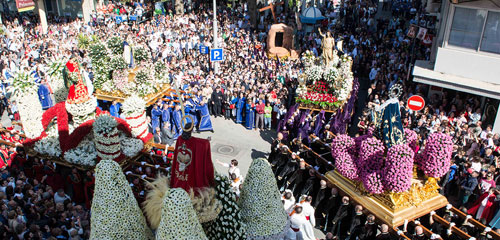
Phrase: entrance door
(278, 40)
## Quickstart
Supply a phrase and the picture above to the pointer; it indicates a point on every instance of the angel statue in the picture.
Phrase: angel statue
(327, 45)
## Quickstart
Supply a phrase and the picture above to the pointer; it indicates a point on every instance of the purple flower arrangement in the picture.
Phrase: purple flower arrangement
(342, 143)
(411, 139)
(364, 159)
(371, 154)
(373, 182)
(434, 161)
(345, 164)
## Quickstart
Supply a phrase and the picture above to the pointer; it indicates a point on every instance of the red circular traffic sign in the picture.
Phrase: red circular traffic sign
(416, 103)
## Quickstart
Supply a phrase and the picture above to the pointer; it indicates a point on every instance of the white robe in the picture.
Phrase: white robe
(308, 211)
(299, 221)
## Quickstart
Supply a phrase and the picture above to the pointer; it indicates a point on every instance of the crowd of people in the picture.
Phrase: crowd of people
(45, 201)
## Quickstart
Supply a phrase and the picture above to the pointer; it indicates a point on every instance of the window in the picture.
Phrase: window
(466, 27)
(491, 35)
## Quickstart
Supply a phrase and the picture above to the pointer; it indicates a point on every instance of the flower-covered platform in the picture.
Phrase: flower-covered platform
(393, 208)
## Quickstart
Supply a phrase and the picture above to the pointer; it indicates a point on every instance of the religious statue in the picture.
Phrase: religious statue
(327, 45)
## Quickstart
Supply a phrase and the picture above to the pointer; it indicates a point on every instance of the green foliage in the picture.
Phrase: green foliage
(117, 63)
(85, 41)
(22, 83)
(141, 54)
(115, 44)
(160, 70)
(98, 52)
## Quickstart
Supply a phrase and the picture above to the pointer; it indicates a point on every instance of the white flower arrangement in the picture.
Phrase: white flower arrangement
(84, 154)
(228, 224)
(314, 73)
(30, 111)
(133, 106)
(106, 137)
(115, 212)
(104, 125)
(82, 109)
(131, 146)
(48, 146)
(260, 203)
(178, 218)
(56, 80)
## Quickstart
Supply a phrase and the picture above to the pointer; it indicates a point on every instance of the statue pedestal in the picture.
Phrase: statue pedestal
(393, 208)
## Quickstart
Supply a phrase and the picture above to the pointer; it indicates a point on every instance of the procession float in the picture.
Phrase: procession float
(189, 201)
(386, 172)
(120, 69)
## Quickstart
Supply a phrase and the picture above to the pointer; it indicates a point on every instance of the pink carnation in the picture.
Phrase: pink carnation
(398, 168)
(434, 161)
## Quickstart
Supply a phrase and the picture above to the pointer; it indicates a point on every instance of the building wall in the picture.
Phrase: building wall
(468, 64)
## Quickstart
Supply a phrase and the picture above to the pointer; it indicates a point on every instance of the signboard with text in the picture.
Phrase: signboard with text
(25, 5)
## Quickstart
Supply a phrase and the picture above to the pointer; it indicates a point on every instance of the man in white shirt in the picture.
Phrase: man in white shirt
(300, 228)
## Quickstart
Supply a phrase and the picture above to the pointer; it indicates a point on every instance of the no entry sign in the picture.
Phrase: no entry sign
(416, 103)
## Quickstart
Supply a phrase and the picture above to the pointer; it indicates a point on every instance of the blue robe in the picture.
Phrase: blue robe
(495, 222)
(205, 123)
(155, 118)
(165, 116)
(44, 96)
(176, 117)
(114, 110)
(250, 117)
(240, 104)
(191, 109)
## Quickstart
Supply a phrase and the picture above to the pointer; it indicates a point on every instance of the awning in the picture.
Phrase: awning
(423, 73)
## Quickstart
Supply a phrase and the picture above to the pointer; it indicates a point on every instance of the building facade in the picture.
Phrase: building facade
(466, 54)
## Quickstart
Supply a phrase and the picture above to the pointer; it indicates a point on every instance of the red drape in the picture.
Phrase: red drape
(192, 166)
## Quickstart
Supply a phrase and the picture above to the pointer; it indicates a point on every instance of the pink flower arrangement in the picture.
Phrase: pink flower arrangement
(398, 168)
(411, 139)
(373, 182)
(434, 161)
(359, 140)
(345, 164)
(371, 154)
(342, 143)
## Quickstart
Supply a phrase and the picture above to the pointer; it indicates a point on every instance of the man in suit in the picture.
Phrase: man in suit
(217, 98)
(157, 135)
(167, 135)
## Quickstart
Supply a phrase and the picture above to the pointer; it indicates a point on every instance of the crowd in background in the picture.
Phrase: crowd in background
(253, 90)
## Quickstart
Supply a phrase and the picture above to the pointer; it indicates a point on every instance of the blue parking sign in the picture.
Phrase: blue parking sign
(203, 49)
(216, 54)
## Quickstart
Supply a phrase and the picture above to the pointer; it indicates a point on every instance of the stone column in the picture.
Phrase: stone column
(87, 7)
(39, 4)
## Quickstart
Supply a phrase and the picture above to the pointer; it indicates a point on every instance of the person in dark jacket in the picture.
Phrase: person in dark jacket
(467, 187)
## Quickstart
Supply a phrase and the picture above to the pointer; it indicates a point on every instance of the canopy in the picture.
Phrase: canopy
(311, 15)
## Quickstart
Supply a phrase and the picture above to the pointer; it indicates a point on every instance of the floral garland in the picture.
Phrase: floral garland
(228, 225)
(178, 218)
(115, 212)
(434, 161)
(115, 45)
(260, 203)
(411, 139)
(314, 73)
(398, 168)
